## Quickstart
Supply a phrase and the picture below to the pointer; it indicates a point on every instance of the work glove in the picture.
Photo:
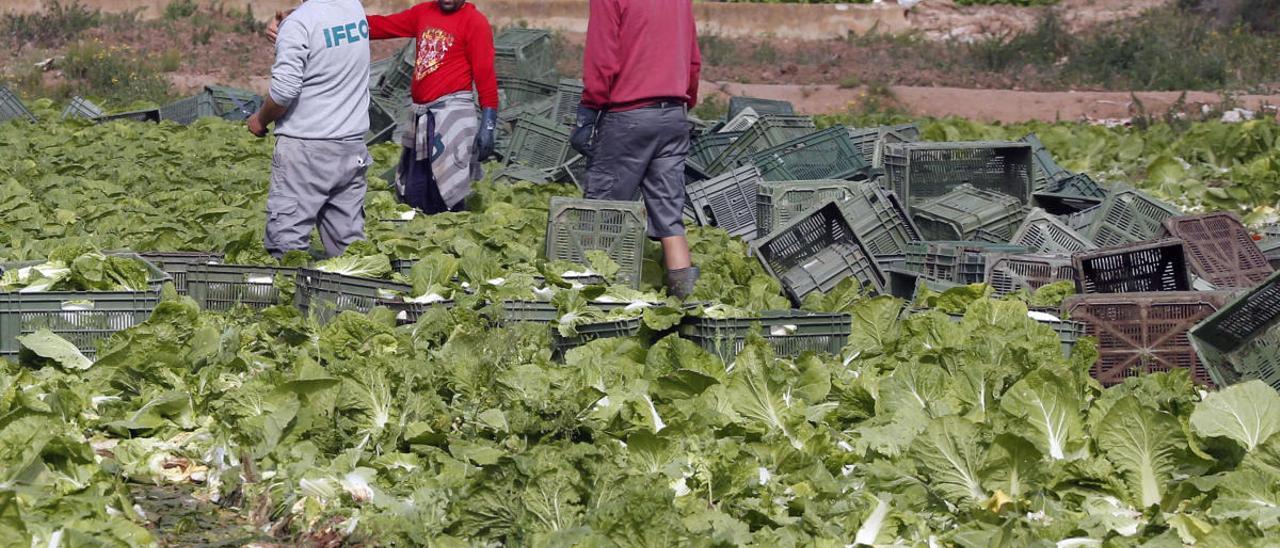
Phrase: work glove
(488, 130)
(584, 130)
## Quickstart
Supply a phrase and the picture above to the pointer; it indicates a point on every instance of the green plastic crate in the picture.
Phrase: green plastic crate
(769, 131)
(726, 201)
(568, 97)
(538, 143)
(221, 287)
(1071, 194)
(524, 91)
(870, 141)
(876, 216)
(908, 285)
(961, 213)
(178, 263)
(324, 295)
(1241, 341)
(188, 110)
(396, 76)
(817, 251)
(233, 104)
(827, 154)
(83, 318)
(956, 261)
(11, 107)
(594, 331)
(524, 53)
(576, 226)
(709, 146)
(144, 115)
(1046, 169)
(1129, 216)
(788, 332)
(920, 171)
(1044, 233)
(762, 106)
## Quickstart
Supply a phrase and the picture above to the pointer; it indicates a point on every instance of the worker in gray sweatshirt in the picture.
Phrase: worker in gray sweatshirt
(319, 102)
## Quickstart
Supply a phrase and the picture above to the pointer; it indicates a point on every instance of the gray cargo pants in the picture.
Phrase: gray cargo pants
(316, 182)
(641, 153)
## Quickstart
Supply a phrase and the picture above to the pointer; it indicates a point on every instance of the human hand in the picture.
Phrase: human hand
(256, 127)
(273, 28)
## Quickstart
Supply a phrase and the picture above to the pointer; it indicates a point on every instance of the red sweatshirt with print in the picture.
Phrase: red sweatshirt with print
(454, 50)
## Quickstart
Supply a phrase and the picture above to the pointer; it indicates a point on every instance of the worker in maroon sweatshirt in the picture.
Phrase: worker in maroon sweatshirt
(445, 141)
(640, 76)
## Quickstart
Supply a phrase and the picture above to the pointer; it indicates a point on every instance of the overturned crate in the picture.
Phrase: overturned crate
(827, 154)
(1007, 273)
(538, 143)
(762, 107)
(816, 252)
(83, 318)
(789, 333)
(924, 170)
(1133, 268)
(1142, 333)
(870, 141)
(525, 91)
(1071, 194)
(11, 107)
(1045, 233)
(769, 131)
(1241, 341)
(82, 108)
(524, 53)
(956, 261)
(876, 216)
(1221, 251)
(577, 226)
(324, 295)
(727, 201)
(221, 287)
(1129, 216)
(707, 147)
(568, 96)
(960, 214)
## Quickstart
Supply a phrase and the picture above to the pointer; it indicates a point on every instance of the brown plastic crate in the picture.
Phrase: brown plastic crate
(1148, 266)
(1140, 333)
(1220, 250)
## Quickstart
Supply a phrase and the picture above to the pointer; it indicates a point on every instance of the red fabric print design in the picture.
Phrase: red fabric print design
(432, 46)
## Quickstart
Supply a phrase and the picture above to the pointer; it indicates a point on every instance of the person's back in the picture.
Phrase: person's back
(323, 74)
(646, 49)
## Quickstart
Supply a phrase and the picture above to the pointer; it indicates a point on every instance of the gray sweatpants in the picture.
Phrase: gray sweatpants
(316, 182)
(641, 153)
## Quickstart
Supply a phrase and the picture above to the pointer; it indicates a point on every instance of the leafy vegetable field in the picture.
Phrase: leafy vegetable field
(957, 423)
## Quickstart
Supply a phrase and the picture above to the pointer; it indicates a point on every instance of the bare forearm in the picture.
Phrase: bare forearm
(271, 111)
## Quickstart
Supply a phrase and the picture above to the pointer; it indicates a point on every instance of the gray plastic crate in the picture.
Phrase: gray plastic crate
(576, 226)
(177, 263)
(324, 295)
(1007, 273)
(1044, 233)
(875, 214)
(961, 213)
(956, 261)
(788, 332)
(538, 143)
(870, 141)
(1241, 341)
(923, 170)
(1129, 216)
(11, 107)
(79, 107)
(186, 111)
(1046, 169)
(762, 106)
(1077, 192)
(826, 154)
(525, 53)
(397, 76)
(769, 131)
(727, 201)
(568, 96)
(524, 91)
(817, 251)
(221, 287)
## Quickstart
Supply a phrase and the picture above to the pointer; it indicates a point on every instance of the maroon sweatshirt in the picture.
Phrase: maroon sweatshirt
(639, 51)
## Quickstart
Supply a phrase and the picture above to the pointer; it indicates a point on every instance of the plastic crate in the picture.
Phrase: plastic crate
(83, 318)
(523, 52)
(234, 104)
(1222, 252)
(538, 143)
(789, 333)
(817, 251)
(827, 154)
(1071, 194)
(1140, 333)
(1068, 333)
(1009, 273)
(144, 115)
(1047, 170)
(384, 118)
(924, 170)
(221, 287)
(709, 146)
(79, 107)
(740, 121)
(523, 91)
(961, 213)
(594, 331)
(1241, 341)
(574, 171)
(576, 226)
(908, 285)
(517, 173)
(323, 295)
(875, 214)
(1044, 233)
(187, 111)
(761, 106)
(1133, 268)
(870, 141)
(1129, 216)
(954, 261)
(727, 201)
(11, 107)
(397, 76)
(769, 131)
(177, 264)
(1270, 249)
(568, 97)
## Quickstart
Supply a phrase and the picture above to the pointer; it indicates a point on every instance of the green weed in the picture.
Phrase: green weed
(115, 74)
(57, 24)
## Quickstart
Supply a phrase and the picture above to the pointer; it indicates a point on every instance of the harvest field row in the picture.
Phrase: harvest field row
(456, 431)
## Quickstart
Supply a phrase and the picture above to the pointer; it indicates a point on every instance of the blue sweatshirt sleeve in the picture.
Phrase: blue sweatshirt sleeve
(292, 44)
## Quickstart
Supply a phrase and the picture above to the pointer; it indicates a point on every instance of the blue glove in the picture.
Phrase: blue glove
(584, 130)
(488, 129)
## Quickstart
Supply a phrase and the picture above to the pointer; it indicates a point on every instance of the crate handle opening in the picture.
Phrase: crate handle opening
(783, 330)
(259, 279)
(73, 306)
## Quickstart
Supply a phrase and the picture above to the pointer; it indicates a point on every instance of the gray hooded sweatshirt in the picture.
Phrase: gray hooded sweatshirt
(321, 73)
